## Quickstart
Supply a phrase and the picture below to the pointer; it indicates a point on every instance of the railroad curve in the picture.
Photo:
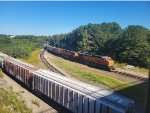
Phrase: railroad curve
(48, 65)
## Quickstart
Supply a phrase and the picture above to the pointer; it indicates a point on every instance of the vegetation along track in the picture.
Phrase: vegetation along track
(48, 65)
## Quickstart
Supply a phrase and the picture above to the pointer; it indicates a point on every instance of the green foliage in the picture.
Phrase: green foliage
(134, 47)
(33, 58)
(130, 45)
(21, 46)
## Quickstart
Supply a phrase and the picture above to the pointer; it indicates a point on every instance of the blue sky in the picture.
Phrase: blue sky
(47, 18)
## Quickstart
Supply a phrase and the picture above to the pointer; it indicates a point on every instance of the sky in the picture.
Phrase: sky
(48, 18)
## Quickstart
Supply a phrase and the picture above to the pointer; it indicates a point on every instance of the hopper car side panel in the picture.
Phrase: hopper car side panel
(65, 96)
(1, 62)
(19, 71)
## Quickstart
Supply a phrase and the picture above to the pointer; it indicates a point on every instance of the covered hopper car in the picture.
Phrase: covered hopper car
(20, 70)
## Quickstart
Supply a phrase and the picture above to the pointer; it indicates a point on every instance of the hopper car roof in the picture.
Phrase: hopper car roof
(3, 55)
(19, 63)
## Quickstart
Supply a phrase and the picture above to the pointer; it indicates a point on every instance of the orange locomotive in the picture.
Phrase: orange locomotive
(104, 62)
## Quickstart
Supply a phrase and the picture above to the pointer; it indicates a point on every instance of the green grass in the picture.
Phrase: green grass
(10, 103)
(33, 58)
(1, 74)
(36, 102)
(135, 69)
(88, 76)
(120, 65)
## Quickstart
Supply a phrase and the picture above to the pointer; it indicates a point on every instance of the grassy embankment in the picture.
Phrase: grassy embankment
(83, 74)
(1, 74)
(33, 58)
(11, 102)
(135, 69)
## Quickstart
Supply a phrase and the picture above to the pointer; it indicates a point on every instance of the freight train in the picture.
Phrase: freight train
(103, 62)
(74, 95)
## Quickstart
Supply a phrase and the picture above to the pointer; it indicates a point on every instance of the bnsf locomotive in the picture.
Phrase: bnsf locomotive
(72, 94)
(103, 62)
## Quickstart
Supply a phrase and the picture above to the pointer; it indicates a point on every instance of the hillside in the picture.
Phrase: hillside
(21, 46)
(130, 45)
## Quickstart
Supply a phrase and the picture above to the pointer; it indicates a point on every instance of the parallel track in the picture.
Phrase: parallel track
(140, 78)
(48, 65)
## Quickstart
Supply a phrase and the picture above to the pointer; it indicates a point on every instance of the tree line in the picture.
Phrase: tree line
(130, 45)
(21, 46)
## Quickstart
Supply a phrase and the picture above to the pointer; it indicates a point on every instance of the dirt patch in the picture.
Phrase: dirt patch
(27, 96)
(3, 83)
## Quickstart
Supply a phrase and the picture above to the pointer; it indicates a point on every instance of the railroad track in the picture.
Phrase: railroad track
(52, 68)
(140, 78)
(48, 65)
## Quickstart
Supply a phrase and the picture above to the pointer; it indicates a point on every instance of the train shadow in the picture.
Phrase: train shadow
(59, 108)
(136, 92)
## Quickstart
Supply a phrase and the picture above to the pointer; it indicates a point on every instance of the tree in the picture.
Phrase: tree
(134, 47)
(130, 45)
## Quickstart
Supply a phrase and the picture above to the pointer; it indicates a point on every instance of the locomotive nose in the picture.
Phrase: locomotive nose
(76, 55)
(111, 63)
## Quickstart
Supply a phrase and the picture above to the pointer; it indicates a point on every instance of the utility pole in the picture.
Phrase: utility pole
(147, 107)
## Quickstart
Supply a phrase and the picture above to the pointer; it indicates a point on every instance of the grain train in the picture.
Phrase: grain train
(74, 95)
(103, 62)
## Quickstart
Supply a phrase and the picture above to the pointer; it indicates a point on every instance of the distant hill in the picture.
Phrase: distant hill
(130, 45)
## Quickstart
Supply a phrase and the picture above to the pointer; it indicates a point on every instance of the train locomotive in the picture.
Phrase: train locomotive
(102, 62)
(74, 95)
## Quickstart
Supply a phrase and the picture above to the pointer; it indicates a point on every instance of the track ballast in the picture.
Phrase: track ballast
(48, 65)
